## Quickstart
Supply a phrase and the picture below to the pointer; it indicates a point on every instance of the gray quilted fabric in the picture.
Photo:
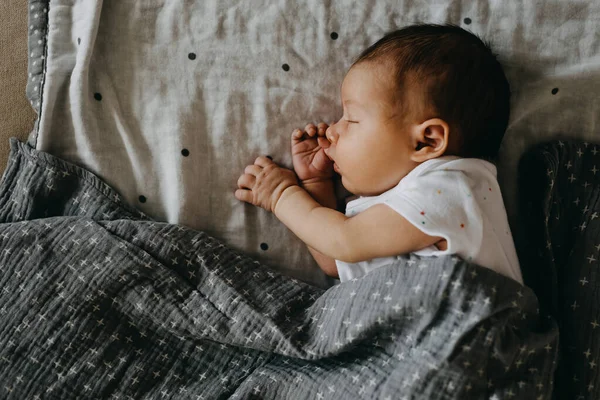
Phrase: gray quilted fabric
(98, 301)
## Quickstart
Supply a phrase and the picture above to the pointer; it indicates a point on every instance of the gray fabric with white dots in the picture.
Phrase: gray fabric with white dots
(235, 101)
(97, 301)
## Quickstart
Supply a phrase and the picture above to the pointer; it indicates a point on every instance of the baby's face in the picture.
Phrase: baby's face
(369, 144)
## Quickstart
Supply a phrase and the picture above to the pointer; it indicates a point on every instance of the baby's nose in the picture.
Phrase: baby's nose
(329, 134)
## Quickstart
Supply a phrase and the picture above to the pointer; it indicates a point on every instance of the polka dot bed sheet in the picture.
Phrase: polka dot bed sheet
(168, 101)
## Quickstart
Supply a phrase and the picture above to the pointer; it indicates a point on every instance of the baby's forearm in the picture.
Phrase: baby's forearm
(324, 193)
(319, 227)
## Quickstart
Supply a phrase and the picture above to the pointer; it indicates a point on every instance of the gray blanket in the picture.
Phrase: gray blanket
(98, 301)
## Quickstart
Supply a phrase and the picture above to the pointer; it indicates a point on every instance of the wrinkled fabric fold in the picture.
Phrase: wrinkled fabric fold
(98, 301)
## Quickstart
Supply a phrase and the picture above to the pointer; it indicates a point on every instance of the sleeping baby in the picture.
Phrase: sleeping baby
(425, 109)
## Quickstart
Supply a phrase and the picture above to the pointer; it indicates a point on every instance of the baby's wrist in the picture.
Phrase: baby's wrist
(316, 182)
(323, 191)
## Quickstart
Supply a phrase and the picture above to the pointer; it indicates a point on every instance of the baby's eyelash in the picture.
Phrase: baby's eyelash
(353, 122)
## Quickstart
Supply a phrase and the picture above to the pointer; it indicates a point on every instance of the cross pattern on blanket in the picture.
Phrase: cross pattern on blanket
(128, 308)
(560, 185)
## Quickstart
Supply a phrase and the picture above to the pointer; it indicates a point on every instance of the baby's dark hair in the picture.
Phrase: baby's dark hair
(460, 78)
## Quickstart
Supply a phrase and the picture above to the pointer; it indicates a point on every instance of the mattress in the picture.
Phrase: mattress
(168, 101)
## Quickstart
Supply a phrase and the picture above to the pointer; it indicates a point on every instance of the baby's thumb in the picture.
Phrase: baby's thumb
(323, 142)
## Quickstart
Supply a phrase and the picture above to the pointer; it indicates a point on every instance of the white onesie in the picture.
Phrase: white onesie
(455, 198)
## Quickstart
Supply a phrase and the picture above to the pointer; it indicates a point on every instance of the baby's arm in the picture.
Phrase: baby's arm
(324, 193)
(326, 263)
(376, 232)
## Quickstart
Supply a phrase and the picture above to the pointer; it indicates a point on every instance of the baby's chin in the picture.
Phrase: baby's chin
(345, 184)
(360, 191)
(350, 187)
(357, 190)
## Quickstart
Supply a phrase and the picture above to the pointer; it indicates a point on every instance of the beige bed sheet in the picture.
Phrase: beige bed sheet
(16, 114)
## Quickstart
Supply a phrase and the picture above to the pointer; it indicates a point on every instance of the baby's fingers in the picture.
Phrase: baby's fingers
(311, 130)
(297, 135)
(322, 128)
(323, 142)
(246, 181)
(244, 195)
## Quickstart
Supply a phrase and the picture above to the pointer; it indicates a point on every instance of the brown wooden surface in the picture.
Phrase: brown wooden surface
(16, 114)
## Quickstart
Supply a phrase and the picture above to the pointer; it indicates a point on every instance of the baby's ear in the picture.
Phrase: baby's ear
(430, 140)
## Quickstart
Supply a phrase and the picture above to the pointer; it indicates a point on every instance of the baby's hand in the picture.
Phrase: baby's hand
(263, 182)
(310, 161)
